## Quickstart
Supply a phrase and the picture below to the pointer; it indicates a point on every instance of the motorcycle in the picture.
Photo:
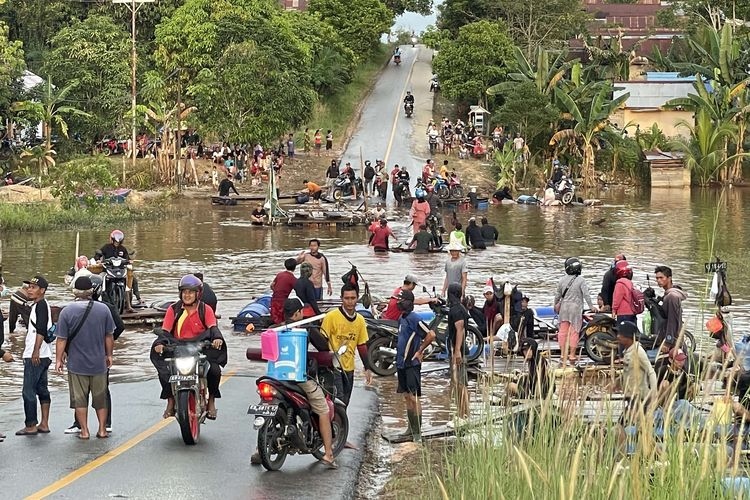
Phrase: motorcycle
(413, 41)
(285, 422)
(440, 186)
(342, 186)
(409, 109)
(383, 338)
(564, 188)
(434, 84)
(432, 139)
(188, 372)
(600, 342)
(109, 147)
(435, 227)
(428, 187)
(115, 274)
(397, 59)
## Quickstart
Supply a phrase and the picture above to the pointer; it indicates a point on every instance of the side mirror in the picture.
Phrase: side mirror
(433, 289)
(424, 289)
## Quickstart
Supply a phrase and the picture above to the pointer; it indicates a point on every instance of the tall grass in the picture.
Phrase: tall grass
(45, 216)
(337, 112)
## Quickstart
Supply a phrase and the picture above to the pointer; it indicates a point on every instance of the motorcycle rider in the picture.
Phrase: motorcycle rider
(115, 248)
(189, 319)
(315, 395)
(409, 100)
(352, 176)
(401, 185)
(392, 312)
(428, 171)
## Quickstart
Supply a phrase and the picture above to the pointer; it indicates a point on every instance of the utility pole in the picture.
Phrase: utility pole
(134, 6)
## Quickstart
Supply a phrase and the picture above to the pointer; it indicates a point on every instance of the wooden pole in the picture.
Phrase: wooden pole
(362, 173)
(78, 245)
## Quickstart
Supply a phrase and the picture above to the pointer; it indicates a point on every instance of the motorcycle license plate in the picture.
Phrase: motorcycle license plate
(182, 378)
(263, 410)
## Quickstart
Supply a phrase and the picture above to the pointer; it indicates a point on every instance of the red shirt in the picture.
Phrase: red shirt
(391, 312)
(380, 236)
(191, 326)
(282, 285)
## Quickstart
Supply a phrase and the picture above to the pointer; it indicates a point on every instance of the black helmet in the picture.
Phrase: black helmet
(368, 163)
(573, 266)
(97, 282)
(454, 293)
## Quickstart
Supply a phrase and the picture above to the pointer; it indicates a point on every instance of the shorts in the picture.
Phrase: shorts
(316, 195)
(410, 380)
(315, 396)
(329, 145)
(80, 386)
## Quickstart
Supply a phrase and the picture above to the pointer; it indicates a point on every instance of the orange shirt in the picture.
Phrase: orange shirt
(312, 187)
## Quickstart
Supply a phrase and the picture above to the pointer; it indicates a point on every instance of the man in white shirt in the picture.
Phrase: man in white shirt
(37, 357)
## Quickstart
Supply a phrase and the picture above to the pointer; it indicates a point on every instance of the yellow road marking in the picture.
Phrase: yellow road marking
(110, 455)
(398, 111)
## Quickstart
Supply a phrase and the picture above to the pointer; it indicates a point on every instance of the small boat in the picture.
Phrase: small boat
(258, 312)
(114, 196)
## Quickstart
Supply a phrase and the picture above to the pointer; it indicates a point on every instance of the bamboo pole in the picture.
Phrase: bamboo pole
(362, 173)
(78, 245)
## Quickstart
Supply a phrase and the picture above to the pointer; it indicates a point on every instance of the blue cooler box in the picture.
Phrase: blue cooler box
(292, 363)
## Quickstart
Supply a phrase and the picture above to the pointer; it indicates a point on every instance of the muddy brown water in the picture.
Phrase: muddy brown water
(677, 228)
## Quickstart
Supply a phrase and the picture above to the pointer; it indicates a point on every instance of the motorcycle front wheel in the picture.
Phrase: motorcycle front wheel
(339, 432)
(600, 346)
(382, 363)
(188, 417)
(567, 197)
(443, 192)
(457, 192)
(118, 295)
(271, 457)
(473, 344)
(338, 194)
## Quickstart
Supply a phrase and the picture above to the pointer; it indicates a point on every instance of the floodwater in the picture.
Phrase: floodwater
(677, 228)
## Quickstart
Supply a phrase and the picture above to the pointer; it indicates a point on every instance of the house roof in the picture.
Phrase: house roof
(651, 94)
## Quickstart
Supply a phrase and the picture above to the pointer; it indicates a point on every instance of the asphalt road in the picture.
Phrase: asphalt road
(384, 131)
(146, 458)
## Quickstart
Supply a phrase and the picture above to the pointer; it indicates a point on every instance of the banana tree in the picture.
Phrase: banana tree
(51, 110)
(166, 120)
(505, 160)
(546, 75)
(589, 121)
(704, 151)
(40, 157)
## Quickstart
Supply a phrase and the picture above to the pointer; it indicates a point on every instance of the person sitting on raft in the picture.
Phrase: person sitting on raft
(537, 382)
(258, 216)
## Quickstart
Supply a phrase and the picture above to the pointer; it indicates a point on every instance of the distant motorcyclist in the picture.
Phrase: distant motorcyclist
(115, 248)
(409, 99)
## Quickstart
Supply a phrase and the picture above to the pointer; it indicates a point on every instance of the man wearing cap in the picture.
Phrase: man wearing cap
(409, 360)
(380, 233)
(638, 376)
(392, 312)
(608, 284)
(86, 334)
(456, 269)
(37, 356)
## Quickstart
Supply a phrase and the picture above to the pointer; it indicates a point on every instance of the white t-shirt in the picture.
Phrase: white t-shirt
(44, 351)
(518, 143)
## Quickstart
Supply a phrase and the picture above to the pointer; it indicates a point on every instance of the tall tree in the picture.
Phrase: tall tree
(94, 54)
(12, 66)
(475, 60)
(360, 23)
(398, 7)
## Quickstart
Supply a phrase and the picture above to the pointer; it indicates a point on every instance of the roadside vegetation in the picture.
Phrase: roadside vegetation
(42, 216)
(512, 58)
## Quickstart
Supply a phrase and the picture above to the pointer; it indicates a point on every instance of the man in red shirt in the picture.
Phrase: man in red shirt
(282, 285)
(380, 233)
(391, 312)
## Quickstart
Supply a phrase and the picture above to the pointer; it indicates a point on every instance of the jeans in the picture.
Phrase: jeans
(344, 383)
(34, 385)
(319, 293)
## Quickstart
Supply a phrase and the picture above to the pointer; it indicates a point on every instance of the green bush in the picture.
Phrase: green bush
(81, 181)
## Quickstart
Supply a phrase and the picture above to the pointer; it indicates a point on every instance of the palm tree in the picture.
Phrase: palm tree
(167, 121)
(51, 110)
(704, 151)
(589, 121)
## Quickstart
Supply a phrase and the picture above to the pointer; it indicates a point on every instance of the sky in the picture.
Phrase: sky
(416, 22)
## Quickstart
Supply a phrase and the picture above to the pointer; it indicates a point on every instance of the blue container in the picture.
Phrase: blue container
(265, 301)
(292, 363)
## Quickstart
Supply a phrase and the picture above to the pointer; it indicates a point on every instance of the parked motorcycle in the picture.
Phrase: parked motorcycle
(285, 422)
(188, 372)
(110, 146)
(342, 186)
(115, 274)
(381, 347)
(409, 109)
(432, 140)
(600, 342)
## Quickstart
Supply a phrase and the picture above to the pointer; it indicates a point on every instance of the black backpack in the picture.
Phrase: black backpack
(177, 310)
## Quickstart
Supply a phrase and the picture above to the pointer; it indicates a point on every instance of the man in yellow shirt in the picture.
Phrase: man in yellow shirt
(344, 327)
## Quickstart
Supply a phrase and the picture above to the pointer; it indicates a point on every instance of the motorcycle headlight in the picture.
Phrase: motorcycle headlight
(185, 366)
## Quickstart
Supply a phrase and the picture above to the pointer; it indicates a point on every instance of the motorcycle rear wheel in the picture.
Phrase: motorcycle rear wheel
(339, 433)
(600, 346)
(188, 417)
(457, 192)
(268, 436)
(567, 197)
(443, 192)
(381, 363)
(338, 194)
(473, 344)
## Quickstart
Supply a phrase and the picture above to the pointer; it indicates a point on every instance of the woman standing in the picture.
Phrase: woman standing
(420, 210)
(329, 142)
(622, 299)
(318, 139)
(572, 291)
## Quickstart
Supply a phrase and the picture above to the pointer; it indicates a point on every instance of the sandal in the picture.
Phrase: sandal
(169, 413)
(211, 415)
(331, 464)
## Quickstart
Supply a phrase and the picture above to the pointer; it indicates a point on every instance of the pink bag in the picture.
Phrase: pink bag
(269, 345)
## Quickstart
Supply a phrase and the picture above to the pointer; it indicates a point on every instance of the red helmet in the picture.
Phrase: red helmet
(623, 270)
(117, 236)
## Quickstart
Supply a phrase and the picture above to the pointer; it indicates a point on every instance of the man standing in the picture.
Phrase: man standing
(332, 174)
(319, 263)
(344, 327)
(369, 175)
(608, 284)
(458, 319)
(409, 360)
(672, 305)
(85, 333)
(456, 269)
(392, 312)
(37, 356)
(226, 185)
(282, 285)
(489, 232)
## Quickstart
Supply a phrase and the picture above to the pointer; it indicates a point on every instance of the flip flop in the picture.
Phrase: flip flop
(105, 436)
(211, 415)
(40, 431)
(329, 464)
(24, 432)
(168, 414)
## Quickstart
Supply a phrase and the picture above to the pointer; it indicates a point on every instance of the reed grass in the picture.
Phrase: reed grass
(45, 216)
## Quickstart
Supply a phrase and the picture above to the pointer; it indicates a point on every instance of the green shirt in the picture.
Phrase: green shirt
(424, 241)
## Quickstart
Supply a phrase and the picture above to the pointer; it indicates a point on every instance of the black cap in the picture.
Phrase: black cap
(291, 306)
(83, 283)
(627, 329)
(39, 281)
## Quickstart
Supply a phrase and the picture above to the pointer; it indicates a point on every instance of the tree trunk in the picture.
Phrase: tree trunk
(736, 175)
(587, 170)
